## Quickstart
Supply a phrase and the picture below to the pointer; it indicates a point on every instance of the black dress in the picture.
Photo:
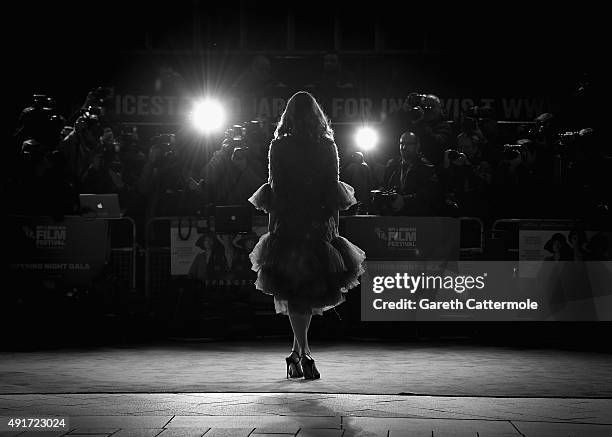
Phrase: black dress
(303, 261)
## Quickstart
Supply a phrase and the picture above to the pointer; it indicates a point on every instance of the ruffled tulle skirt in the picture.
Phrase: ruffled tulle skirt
(306, 275)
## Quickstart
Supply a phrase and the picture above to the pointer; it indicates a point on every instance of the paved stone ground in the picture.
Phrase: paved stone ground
(240, 389)
(256, 414)
(350, 367)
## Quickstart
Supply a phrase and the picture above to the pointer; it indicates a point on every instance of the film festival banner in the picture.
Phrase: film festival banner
(73, 250)
(404, 238)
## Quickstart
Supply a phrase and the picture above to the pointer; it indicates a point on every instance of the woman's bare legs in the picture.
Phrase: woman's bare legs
(300, 324)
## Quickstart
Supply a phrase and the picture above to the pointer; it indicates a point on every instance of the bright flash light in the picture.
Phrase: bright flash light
(208, 116)
(366, 138)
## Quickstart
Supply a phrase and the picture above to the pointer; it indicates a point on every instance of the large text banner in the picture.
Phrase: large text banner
(73, 250)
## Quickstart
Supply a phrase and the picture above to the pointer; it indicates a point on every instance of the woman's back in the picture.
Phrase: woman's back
(302, 175)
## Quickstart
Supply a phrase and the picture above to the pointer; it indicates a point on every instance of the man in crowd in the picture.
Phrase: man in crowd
(413, 178)
(359, 175)
(466, 175)
(241, 180)
(423, 115)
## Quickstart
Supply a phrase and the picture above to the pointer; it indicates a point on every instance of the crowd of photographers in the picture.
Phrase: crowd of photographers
(57, 158)
(478, 167)
(469, 167)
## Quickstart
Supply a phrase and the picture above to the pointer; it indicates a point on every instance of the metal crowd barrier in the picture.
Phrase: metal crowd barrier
(158, 247)
(157, 255)
(471, 237)
(507, 230)
(124, 253)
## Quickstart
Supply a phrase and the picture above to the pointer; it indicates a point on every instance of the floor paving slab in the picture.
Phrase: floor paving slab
(547, 429)
(406, 426)
(279, 423)
(121, 422)
(306, 432)
(138, 432)
(183, 432)
(229, 432)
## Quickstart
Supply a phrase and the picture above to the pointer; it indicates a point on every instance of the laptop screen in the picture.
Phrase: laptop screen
(100, 205)
(232, 219)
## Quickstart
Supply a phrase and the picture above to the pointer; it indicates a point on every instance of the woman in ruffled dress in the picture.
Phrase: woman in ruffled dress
(302, 260)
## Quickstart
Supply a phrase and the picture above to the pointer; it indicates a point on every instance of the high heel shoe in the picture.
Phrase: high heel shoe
(308, 367)
(294, 370)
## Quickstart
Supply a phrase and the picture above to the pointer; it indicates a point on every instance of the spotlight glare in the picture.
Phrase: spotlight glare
(208, 116)
(366, 138)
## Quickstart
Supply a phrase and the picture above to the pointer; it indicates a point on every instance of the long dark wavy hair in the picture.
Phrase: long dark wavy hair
(304, 117)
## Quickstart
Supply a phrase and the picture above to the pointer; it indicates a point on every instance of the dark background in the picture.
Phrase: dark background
(66, 48)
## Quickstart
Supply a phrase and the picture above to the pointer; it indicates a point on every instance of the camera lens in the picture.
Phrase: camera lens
(415, 113)
(511, 151)
(415, 99)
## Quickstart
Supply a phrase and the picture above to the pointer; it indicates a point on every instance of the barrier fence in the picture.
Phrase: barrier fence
(507, 233)
(124, 249)
(78, 238)
(158, 244)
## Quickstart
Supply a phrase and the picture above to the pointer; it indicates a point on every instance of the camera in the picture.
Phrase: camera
(253, 130)
(512, 151)
(382, 201)
(89, 120)
(234, 136)
(236, 132)
(453, 155)
(470, 118)
(570, 137)
(129, 136)
(43, 101)
(102, 94)
(165, 144)
(116, 166)
(416, 107)
(537, 133)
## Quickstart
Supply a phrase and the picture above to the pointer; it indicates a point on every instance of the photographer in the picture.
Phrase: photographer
(466, 175)
(358, 174)
(413, 179)
(482, 121)
(81, 145)
(216, 169)
(228, 174)
(523, 181)
(40, 122)
(241, 180)
(423, 115)
(37, 183)
(104, 174)
(256, 141)
(101, 98)
(162, 180)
